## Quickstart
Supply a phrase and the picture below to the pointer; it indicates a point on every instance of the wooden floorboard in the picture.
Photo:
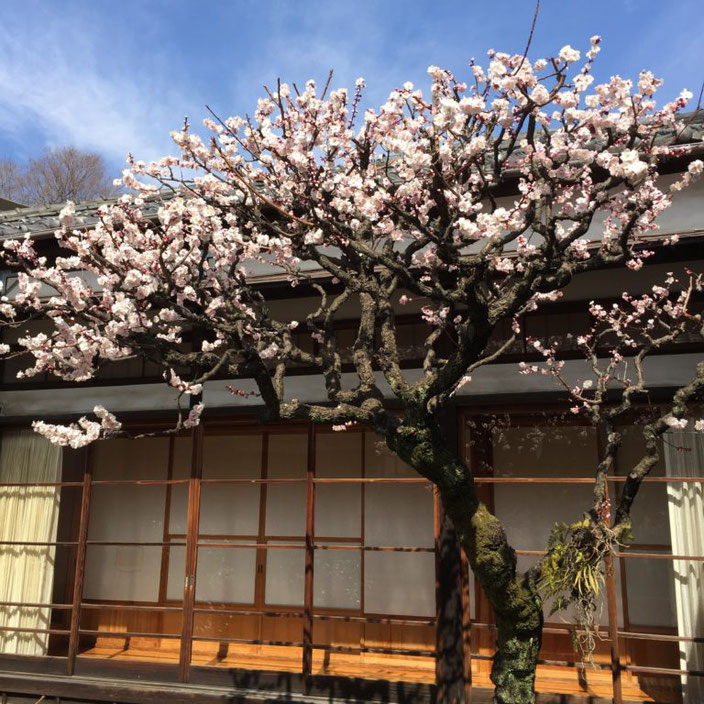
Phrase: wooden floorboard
(550, 679)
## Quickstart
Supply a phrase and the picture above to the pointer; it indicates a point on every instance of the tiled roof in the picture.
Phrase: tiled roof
(44, 219)
(6, 204)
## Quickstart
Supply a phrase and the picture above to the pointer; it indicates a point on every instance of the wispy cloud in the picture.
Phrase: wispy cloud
(117, 77)
(62, 86)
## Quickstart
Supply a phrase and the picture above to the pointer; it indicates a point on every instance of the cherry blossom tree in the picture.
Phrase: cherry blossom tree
(482, 200)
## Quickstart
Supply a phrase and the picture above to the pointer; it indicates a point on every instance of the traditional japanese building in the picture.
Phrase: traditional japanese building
(244, 562)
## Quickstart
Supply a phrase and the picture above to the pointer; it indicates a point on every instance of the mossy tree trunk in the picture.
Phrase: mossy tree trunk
(513, 596)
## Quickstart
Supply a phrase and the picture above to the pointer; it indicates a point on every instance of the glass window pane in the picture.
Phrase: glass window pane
(287, 458)
(178, 506)
(650, 521)
(286, 509)
(155, 628)
(338, 510)
(525, 562)
(632, 450)
(182, 459)
(229, 509)
(30, 574)
(218, 625)
(545, 451)
(529, 511)
(338, 507)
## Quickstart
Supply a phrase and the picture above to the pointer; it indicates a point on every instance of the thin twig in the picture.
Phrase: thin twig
(530, 35)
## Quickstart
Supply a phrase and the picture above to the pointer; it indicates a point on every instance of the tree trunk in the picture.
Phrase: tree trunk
(514, 597)
(515, 661)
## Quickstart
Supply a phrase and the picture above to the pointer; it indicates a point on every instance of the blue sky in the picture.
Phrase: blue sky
(116, 76)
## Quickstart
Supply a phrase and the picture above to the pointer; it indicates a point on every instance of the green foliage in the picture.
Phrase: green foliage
(573, 574)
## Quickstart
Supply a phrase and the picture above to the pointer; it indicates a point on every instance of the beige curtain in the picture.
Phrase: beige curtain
(684, 457)
(27, 514)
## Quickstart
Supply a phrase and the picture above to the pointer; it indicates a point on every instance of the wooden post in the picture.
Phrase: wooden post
(613, 630)
(80, 568)
(611, 608)
(449, 650)
(450, 656)
(307, 664)
(193, 520)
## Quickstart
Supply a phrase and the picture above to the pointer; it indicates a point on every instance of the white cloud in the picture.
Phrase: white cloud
(60, 81)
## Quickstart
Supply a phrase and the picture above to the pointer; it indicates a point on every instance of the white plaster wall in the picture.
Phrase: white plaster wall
(662, 371)
(38, 403)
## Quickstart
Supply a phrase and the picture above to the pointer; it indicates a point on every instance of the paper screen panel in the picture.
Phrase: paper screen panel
(337, 579)
(126, 513)
(338, 507)
(285, 575)
(231, 509)
(120, 572)
(124, 458)
(650, 592)
(650, 519)
(529, 511)
(379, 461)
(399, 583)
(226, 575)
(287, 458)
(398, 515)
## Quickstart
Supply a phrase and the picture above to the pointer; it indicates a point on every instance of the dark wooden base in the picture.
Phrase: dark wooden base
(207, 687)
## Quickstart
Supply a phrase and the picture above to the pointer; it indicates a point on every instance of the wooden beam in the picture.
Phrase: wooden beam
(193, 520)
(79, 572)
(613, 631)
(449, 650)
(307, 663)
